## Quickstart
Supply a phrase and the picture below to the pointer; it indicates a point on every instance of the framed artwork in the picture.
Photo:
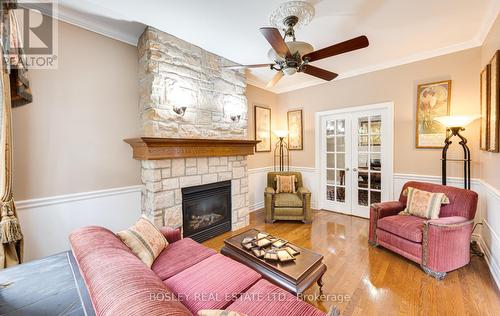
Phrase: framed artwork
(262, 120)
(433, 100)
(494, 109)
(485, 107)
(295, 134)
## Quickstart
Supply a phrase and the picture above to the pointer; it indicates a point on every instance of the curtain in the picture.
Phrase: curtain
(15, 92)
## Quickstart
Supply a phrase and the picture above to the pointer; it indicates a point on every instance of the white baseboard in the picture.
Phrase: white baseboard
(47, 222)
(490, 260)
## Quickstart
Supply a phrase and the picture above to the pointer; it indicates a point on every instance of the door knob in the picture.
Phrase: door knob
(346, 169)
(355, 169)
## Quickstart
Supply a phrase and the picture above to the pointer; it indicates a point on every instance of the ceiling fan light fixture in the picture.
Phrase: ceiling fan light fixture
(289, 71)
(303, 10)
(302, 48)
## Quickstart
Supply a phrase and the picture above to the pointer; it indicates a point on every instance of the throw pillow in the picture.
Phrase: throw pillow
(423, 203)
(285, 184)
(218, 312)
(144, 239)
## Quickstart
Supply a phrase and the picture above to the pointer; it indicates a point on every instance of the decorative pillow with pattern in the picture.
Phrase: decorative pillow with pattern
(423, 203)
(144, 239)
(285, 184)
(218, 312)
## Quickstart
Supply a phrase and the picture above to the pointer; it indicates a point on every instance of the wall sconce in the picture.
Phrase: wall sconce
(455, 125)
(179, 110)
(235, 118)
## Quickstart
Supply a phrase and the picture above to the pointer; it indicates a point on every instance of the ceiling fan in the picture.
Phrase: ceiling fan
(294, 56)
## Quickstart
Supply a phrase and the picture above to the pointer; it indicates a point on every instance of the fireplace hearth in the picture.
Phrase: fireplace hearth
(206, 210)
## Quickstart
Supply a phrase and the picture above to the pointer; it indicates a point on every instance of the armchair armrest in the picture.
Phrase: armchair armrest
(378, 211)
(171, 234)
(302, 190)
(269, 190)
(446, 244)
(268, 203)
(385, 209)
(305, 196)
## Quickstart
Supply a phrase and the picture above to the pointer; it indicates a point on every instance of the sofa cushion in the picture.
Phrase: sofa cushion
(406, 226)
(179, 256)
(423, 203)
(144, 239)
(266, 299)
(212, 283)
(285, 184)
(406, 248)
(287, 200)
(117, 281)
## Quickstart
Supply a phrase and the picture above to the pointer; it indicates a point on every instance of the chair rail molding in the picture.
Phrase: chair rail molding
(53, 218)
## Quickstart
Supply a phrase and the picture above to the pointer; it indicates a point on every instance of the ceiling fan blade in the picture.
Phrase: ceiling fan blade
(320, 73)
(273, 36)
(247, 66)
(275, 79)
(337, 49)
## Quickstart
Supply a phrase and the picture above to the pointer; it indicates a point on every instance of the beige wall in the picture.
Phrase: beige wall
(399, 85)
(490, 161)
(257, 96)
(70, 138)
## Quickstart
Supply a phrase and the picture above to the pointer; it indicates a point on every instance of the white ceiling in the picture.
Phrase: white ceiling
(400, 31)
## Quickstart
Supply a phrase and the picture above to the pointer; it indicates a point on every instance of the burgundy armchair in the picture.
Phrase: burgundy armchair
(439, 245)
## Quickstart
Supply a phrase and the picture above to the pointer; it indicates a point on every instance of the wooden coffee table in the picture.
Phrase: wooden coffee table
(295, 276)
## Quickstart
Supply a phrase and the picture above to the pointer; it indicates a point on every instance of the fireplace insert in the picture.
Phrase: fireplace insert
(206, 210)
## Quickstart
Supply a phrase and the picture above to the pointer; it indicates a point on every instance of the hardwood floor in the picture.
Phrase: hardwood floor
(362, 280)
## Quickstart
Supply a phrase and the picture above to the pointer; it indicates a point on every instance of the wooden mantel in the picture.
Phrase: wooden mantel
(155, 148)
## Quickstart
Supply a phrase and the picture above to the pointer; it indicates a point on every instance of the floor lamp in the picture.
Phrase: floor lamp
(455, 125)
(281, 153)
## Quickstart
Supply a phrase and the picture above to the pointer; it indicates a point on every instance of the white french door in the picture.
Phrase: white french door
(355, 160)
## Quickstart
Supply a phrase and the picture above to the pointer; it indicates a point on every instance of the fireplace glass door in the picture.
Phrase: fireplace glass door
(206, 210)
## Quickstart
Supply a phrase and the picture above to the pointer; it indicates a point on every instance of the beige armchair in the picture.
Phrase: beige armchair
(287, 206)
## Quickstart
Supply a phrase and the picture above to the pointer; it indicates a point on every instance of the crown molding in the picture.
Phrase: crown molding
(386, 65)
(110, 28)
(478, 40)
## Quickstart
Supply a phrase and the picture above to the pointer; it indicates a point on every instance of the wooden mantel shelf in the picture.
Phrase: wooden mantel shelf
(155, 148)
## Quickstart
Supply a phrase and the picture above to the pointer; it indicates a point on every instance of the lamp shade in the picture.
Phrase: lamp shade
(281, 133)
(457, 121)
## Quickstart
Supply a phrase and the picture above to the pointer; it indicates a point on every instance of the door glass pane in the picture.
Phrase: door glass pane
(340, 127)
(363, 197)
(340, 161)
(330, 144)
(340, 144)
(375, 124)
(340, 194)
(375, 162)
(375, 180)
(363, 162)
(330, 160)
(330, 176)
(374, 197)
(362, 179)
(375, 143)
(340, 177)
(363, 143)
(363, 125)
(330, 193)
(330, 128)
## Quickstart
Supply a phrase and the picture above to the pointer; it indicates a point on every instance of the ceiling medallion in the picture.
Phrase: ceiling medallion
(303, 10)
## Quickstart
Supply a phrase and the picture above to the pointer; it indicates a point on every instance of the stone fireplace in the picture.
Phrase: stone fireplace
(194, 123)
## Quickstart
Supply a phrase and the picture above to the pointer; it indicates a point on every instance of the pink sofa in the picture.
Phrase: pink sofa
(439, 245)
(184, 279)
